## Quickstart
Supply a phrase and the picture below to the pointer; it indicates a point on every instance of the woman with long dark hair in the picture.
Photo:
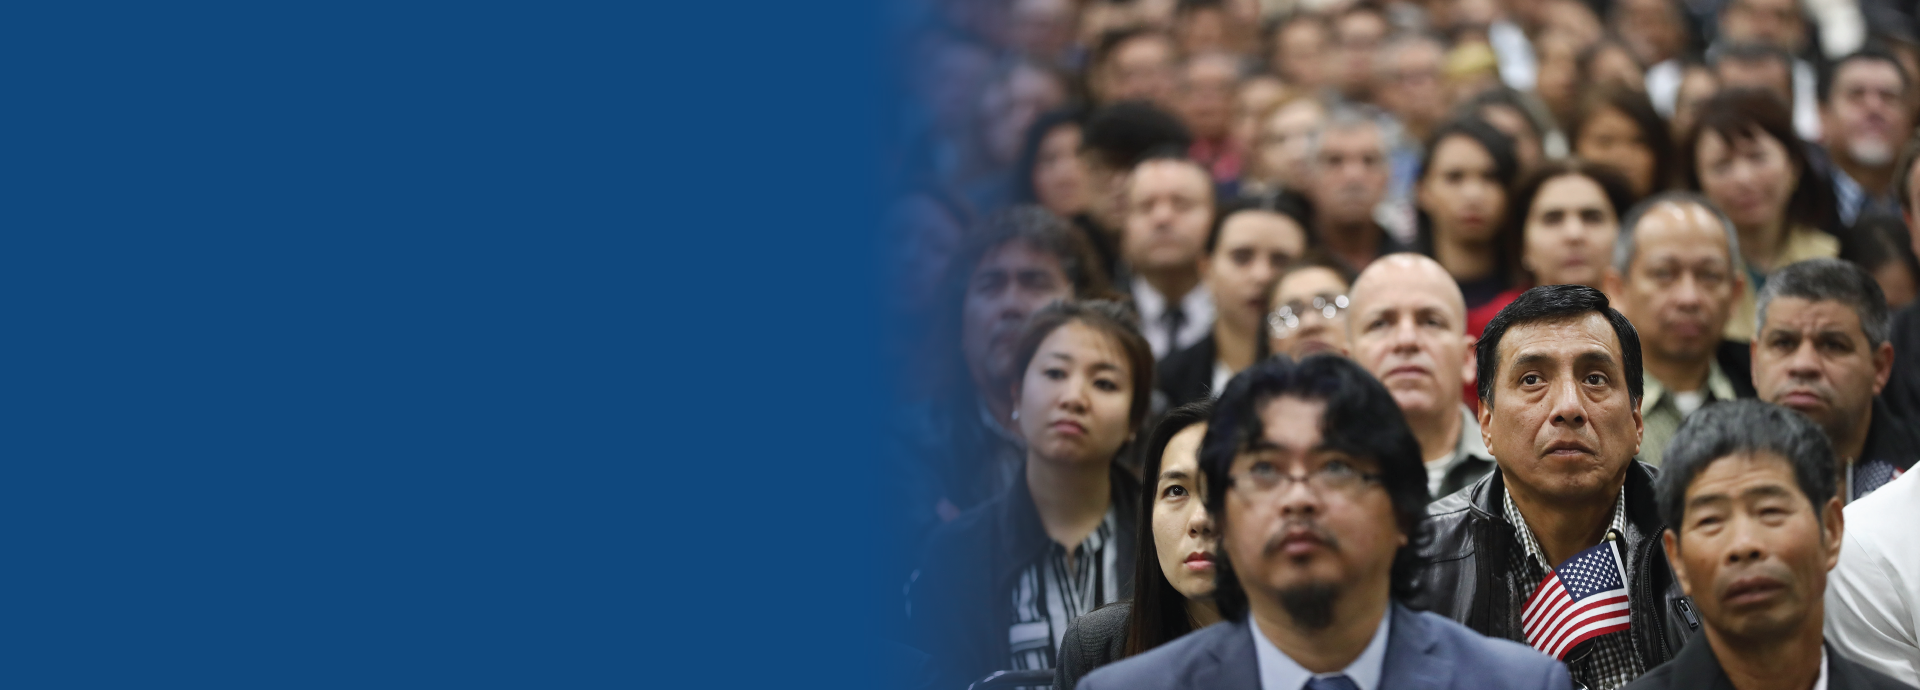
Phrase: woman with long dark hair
(1562, 223)
(1461, 194)
(1617, 126)
(1173, 575)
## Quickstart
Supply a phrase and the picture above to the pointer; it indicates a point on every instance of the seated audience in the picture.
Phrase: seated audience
(1462, 197)
(1675, 275)
(1309, 577)
(1822, 350)
(1000, 584)
(1310, 308)
(1863, 111)
(1250, 244)
(1173, 578)
(1753, 529)
(1873, 595)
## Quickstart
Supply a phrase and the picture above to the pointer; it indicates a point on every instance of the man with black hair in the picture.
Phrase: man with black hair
(1559, 379)
(1316, 485)
(1753, 528)
(1132, 64)
(1115, 139)
(1863, 110)
(1754, 66)
(1821, 349)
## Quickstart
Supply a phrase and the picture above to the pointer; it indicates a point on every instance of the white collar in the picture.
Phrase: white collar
(1280, 672)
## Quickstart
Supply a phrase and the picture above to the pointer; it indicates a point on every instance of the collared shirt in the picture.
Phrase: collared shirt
(1196, 318)
(1049, 595)
(1612, 661)
(1853, 198)
(1820, 683)
(1662, 414)
(1280, 672)
(1469, 446)
(1801, 243)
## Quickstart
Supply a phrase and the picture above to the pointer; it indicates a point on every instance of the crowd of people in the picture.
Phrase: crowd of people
(1587, 329)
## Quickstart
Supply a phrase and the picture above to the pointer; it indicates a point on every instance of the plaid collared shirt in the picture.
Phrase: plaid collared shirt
(1610, 661)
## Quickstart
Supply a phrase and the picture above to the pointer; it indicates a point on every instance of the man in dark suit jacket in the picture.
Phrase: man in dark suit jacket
(1309, 575)
(1749, 493)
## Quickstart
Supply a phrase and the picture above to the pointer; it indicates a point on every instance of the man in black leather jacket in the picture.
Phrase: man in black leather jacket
(1560, 386)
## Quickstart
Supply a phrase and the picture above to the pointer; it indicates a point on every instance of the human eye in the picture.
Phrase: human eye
(1596, 379)
(1454, 176)
(1781, 342)
(1174, 491)
(1593, 216)
(1106, 384)
(1553, 217)
(1836, 344)
(1531, 380)
(1242, 256)
(1054, 373)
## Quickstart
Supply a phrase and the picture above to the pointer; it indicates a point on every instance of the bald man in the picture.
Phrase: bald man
(1408, 325)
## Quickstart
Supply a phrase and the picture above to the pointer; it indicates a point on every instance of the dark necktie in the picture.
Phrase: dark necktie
(1175, 318)
(1340, 682)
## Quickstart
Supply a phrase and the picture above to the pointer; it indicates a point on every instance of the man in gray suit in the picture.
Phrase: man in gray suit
(1317, 485)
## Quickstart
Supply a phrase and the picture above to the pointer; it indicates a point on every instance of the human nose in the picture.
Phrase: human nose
(1687, 293)
(1805, 361)
(1744, 542)
(1200, 523)
(1074, 395)
(1568, 407)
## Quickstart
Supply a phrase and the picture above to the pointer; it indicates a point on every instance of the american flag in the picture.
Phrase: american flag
(1584, 598)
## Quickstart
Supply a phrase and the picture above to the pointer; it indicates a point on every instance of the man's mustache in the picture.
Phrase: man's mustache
(1295, 529)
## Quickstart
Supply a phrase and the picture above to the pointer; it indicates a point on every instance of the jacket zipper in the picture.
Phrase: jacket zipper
(1645, 577)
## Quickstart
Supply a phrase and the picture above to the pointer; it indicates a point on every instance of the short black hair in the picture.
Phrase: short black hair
(1124, 133)
(1361, 418)
(1820, 280)
(1114, 38)
(1285, 203)
(1869, 52)
(1733, 427)
(1556, 303)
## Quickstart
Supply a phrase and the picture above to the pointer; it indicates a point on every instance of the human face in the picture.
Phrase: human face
(1408, 327)
(1615, 64)
(1010, 283)
(1813, 356)
(1898, 284)
(1257, 94)
(1772, 22)
(1254, 247)
(1562, 423)
(1350, 175)
(1359, 34)
(1207, 88)
(1316, 333)
(1750, 178)
(1106, 189)
(1169, 209)
(1513, 123)
(1059, 176)
(1681, 285)
(1461, 192)
(1752, 551)
(1612, 138)
(924, 237)
(1075, 397)
(1182, 530)
(1286, 142)
(1570, 232)
(1408, 83)
(1866, 117)
(1009, 107)
(1296, 539)
(1554, 80)
(1762, 73)
(1140, 69)
(1652, 28)
(1297, 59)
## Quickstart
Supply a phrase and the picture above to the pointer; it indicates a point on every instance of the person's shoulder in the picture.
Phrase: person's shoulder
(1092, 641)
(1659, 678)
(1163, 666)
(1861, 676)
(1104, 622)
(1475, 649)
(1888, 511)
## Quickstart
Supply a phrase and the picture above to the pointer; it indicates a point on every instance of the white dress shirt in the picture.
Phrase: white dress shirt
(1197, 303)
(1280, 672)
(1873, 595)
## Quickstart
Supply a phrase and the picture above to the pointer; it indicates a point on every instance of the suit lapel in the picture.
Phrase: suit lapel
(1411, 661)
(1230, 664)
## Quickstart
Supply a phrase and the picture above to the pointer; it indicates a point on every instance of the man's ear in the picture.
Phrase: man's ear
(1486, 423)
(1671, 544)
(1882, 366)
(1833, 526)
(1611, 284)
(1469, 373)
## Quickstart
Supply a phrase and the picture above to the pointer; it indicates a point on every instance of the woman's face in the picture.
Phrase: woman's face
(1286, 142)
(1750, 177)
(1510, 121)
(1059, 177)
(1570, 232)
(1254, 247)
(1316, 332)
(1182, 532)
(1461, 191)
(1075, 396)
(1611, 138)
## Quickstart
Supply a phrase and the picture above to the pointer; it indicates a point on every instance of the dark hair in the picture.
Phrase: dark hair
(1520, 202)
(1319, 257)
(1749, 52)
(1507, 97)
(1735, 114)
(1023, 192)
(1274, 27)
(1879, 239)
(1361, 418)
(1870, 52)
(1734, 427)
(1285, 203)
(1506, 167)
(1583, 63)
(1114, 320)
(1638, 109)
(1159, 611)
(1822, 280)
(1124, 132)
(1556, 303)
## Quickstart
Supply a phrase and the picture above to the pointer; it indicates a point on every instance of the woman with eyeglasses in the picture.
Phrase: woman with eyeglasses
(1000, 583)
(1251, 242)
(1173, 578)
(1310, 308)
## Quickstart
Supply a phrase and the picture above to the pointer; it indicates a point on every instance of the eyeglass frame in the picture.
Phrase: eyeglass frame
(1250, 490)
(1278, 318)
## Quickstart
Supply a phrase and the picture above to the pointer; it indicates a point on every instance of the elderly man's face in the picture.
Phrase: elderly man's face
(1408, 327)
(1681, 285)
(1350, 174)
(1562, 423)
(1813, 356)
(1751, 550)
(1866, 116)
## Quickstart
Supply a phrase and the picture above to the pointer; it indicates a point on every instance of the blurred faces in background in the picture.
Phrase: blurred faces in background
(1060, 181)
(1570, 226)
(1617, 127)
(1010, 283)
(1169, 213)
(1139, 66)
(1041, 29)
(1407, 82)
(1654, 30)
(1257, 95)
(1865, 118)
(1697, 84)
(1358, 34)
(1777, 23)
(1010, 105)
(1282, 155)
(1349, 174)
(1207, 87)
(1301, 45)
(1309, 314)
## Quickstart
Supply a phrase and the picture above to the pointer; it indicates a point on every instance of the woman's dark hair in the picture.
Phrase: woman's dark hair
(1361, 419)
(1637, 108)
(1159, 611)
(1583, 62)
(1520, 202)
(1736, 114)
(1286, 203)
(1114, 320)
(1879, 239)
(1023, 192)
(1549, 303)
(1506, 167)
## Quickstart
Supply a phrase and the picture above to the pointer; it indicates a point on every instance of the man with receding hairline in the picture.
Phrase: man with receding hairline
(1407, 323)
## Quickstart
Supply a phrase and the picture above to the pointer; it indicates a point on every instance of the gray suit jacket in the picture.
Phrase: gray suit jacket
(1424, 652)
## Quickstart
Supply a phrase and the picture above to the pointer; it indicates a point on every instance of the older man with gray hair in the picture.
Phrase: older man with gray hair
(1352, 164)
(1676, 274)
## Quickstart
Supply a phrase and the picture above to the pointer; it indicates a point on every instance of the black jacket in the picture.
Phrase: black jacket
(1465, 556)
(1736, 361)
(1094, 640)
(960, 600)
(1698, 668)
(1187, 376)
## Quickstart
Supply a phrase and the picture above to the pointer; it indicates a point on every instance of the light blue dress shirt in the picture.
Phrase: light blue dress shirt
(1279, 671)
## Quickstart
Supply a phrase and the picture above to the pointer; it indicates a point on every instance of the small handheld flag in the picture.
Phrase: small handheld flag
(1583, 598)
